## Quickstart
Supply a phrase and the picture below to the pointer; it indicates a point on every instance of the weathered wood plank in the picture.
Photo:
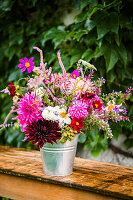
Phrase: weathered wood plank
(19, 188)
(104, 178)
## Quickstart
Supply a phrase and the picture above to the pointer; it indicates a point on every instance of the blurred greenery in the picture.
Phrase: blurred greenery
(101, 33)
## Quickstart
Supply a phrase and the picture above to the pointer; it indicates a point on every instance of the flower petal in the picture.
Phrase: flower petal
(23, 69)
(29, 70)
(21, 65)
(31, 59)
(26, 59)
(32, 63)
(22, 61)
(31, 67)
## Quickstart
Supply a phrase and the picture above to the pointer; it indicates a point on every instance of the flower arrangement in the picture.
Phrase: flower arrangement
(55, 106)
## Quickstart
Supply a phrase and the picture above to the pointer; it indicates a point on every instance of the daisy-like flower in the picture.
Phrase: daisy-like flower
(29, 110)
(77, 124)
(26, 64)
(78, 109)
(112, 107)
(43, 131)
(75, 74)
(97, 104)
(88, 95)
(63, 117)
(56, 114)
(49, 113)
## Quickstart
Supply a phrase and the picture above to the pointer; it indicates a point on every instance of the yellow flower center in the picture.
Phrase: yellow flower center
(77, 123)
(111, 107)
(27, 64)
(78, 79)
(78, 88)
(63, 114)
(74, 75)
(96, 105)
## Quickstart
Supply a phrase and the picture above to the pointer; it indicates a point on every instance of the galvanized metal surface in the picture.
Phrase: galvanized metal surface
(58, 158)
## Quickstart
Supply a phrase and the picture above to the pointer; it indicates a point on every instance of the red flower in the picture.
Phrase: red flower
(12, 89)
(97, 104)
(43, 131)
(77, 124)
(88, 95)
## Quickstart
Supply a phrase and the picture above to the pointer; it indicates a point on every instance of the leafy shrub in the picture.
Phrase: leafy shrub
(102, 33)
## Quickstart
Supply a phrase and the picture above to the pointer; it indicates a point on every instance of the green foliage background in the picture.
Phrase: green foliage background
(102, 33)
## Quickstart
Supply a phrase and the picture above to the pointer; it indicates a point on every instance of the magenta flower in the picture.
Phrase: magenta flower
(47, 79)
(26, 64)
(78, 109)
(29, 110)
(75, 74)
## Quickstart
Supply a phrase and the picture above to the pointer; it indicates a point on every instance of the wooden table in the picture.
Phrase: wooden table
(22, 177)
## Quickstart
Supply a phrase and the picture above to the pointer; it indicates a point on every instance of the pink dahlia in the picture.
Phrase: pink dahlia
(26, 64)
(78, 109)
(29, 110)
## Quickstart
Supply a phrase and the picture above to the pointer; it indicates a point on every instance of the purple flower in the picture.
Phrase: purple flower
(26, 64)
(75, 74)
(47, 79)
(124, 111)
(5, 91)
(116, 109)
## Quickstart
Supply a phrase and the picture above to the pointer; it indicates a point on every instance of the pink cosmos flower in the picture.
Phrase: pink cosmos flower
(29, 110)
(26, 64)
(75, 74)
(78, 109)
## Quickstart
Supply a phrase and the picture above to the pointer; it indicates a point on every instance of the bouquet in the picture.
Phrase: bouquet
(57, 106)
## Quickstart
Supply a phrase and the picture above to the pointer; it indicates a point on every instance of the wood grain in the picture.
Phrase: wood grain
(19, 188)
(88, 175)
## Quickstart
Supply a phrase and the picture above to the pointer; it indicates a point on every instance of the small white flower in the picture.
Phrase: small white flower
(111, 106)
(39, 92)
(57, 114)
(15, 99)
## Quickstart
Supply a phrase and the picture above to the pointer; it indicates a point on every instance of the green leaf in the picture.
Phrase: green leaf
(90, 25)
(122, 54)
(15, 75)
(113, 22)
(75, 59)
(6, 5)
(85, 3)
(81, 17)
(105, 23)
(87, 55)
(55, 34)
(82, 138)
(94, 132)
(98, 53)
(111, 60)
(96, 151)
(79, 34)
(110, 55)
(75, 53)
(128, 143)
